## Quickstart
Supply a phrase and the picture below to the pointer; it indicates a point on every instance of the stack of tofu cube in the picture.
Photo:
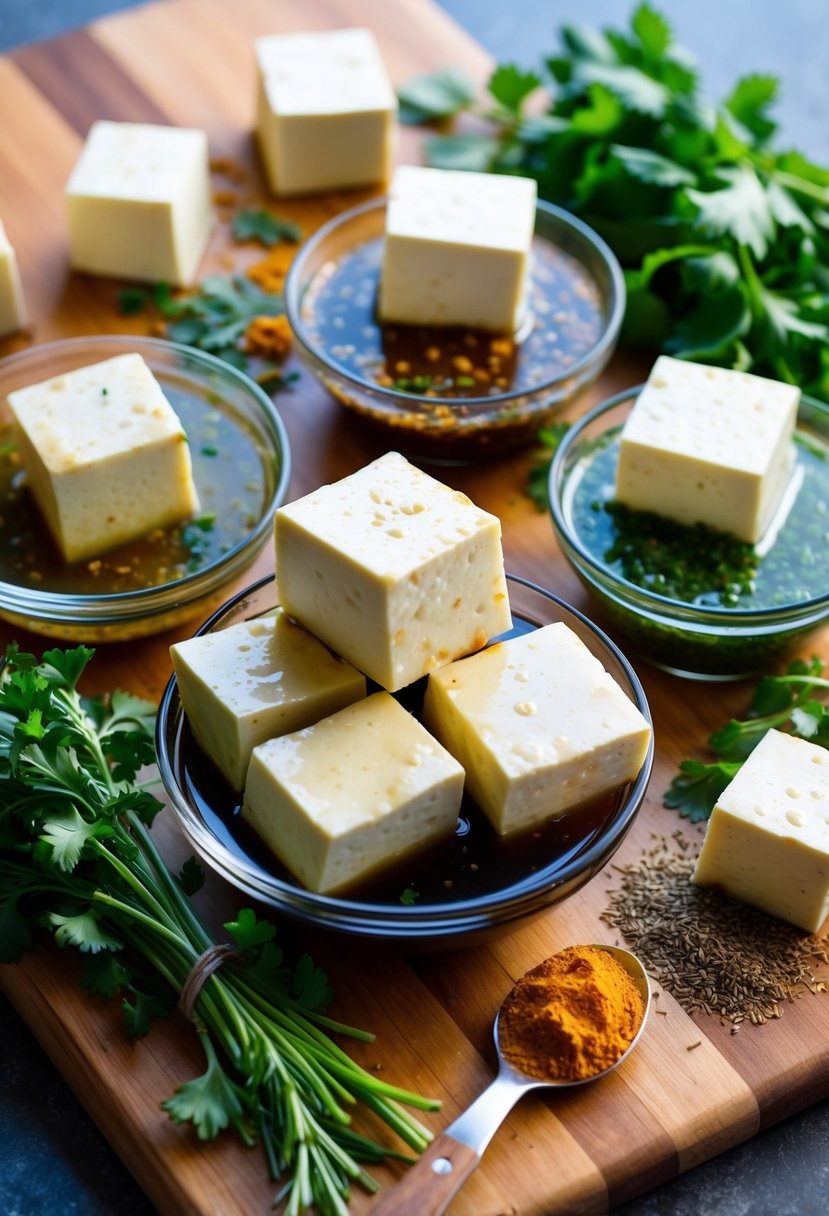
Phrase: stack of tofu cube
(400, 577)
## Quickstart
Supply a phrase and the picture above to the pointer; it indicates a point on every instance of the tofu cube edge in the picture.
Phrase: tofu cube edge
(457, 249)
(767, 840)
(254, 681)
(359, 790)
(394, 570)
(105, 454)
(325, 111)
(139, 202)
(12, 304)
(708, 445)
(539, 726)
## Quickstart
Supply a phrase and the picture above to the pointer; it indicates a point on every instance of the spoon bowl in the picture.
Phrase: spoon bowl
(438, 1174)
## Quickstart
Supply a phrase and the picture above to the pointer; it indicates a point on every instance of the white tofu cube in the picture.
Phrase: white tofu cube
(254, 681)
(457, 249)
(393, 570)
(539, 726)
(138, 202)
(12, 306)
(326, 111)
(363, 788)
(767, 841)
(105, 455)
(708, 445)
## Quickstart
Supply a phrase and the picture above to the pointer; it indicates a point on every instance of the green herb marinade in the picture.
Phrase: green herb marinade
(77, 859)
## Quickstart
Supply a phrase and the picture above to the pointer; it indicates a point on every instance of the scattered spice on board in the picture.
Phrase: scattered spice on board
(571, 1017)
(711, 953)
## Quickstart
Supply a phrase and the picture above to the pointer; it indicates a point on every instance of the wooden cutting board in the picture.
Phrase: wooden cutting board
(190, 62)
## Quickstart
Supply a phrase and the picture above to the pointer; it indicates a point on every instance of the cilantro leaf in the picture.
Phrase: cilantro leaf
(247, 931)
(310, 985)
(69, 834)
(104, 974)
(257, 224)
(210, 1102)
(652, 30)
(510, 86)
(749, 101)
(148, 1002)
(83, 930)
(739, 209)
(468, 152)
(433, 95)
(695, 791)
(191, 876)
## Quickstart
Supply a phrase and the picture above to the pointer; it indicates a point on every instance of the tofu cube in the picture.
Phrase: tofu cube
(326, 111)
(362, 789)
(708, 445)
(105, 455)
(539, 726)
(767, 841)
(12, 306)
(138, 202)
(254, 681)
(457, 249)
(393, 570)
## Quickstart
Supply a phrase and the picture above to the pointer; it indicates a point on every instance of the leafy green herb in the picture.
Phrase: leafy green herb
(76, 857)
(214, 317)
(692, 563)
(435, 95)
(410, 896)
(132, 301)
(724, 237)
(549, 437)
(787, 702)
(695, 791)
(256, 224)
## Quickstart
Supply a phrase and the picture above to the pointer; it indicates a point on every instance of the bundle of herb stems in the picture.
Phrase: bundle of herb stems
(77, 857)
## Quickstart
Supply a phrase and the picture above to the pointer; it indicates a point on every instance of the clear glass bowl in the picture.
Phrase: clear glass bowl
(210, 822)
(448, 428)
(180, 370)
(686, 639)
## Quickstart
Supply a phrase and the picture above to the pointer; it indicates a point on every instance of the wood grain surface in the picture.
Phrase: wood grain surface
(190, 62)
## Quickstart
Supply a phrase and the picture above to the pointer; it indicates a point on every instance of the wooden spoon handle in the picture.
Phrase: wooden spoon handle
(428, 1186)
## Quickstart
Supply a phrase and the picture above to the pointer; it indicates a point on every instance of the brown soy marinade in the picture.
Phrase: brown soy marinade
(474, 862)
(450, 362)
(230, 479)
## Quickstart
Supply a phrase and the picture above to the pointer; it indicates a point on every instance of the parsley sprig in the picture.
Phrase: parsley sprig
(724, 238)
(794, 702)
(77, 858)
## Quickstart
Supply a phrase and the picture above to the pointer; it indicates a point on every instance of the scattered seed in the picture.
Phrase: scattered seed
(712, 954)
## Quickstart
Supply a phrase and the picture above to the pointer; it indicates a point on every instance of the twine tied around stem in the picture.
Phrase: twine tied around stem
(205, 965)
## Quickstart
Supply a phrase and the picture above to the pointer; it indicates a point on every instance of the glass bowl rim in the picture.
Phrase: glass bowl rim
(438, 920)
(641, 598)
(89, 609)
(616, 298)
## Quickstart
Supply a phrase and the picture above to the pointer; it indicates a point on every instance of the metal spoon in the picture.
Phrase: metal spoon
(439, 1172)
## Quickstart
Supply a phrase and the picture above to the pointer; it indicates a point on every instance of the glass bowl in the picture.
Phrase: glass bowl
(208, 393)
(496, 885)
(694, 639)
(450, 427)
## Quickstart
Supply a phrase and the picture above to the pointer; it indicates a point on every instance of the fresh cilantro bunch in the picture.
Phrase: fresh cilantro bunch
(790, 702)
(725, 238)
(77, 859)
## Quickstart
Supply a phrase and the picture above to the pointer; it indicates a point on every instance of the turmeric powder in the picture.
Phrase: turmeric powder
(571, 1017)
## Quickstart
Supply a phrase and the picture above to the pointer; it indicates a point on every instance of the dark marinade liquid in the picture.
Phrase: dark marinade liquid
(565, 313)
(475, 861)
(230, 480)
